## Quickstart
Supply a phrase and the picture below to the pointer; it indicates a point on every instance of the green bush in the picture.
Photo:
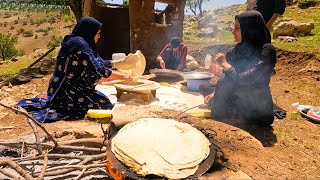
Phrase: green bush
(68, 18)
(20, 31)
(303, 4)
(40, 21)
(54, 41)
(27, 33)
(7, 47)
(36, 36)
(16, 21)
(42, 30)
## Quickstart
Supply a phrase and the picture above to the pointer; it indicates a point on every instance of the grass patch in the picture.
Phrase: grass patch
(309, 44)
(9, 69)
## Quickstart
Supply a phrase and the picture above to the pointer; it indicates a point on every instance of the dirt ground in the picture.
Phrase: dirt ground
(287, 150)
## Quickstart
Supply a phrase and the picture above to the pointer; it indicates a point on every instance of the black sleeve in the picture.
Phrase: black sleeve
(260, 71)
(280, 6)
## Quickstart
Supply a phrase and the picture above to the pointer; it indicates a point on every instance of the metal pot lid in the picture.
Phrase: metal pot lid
(196, 75)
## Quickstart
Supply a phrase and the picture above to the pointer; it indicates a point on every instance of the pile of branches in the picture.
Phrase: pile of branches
(55, 159)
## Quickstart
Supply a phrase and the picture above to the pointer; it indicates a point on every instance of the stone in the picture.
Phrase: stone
(206, 20)
(287, 39)
(191, 64)
(292, 28)
(206, 32)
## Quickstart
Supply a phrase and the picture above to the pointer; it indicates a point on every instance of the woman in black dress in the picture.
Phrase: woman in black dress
(243, 92)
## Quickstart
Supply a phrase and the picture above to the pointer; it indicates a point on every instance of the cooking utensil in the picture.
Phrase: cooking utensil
(196, 75)
(195, 79)
(165, 73)
(118, 169)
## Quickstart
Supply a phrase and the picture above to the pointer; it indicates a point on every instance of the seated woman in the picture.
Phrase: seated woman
(243, 93)
(71, 90)
(173, 56)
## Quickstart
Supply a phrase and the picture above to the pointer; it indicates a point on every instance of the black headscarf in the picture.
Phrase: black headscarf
(253, 28)
(82, 37)
(175, 42)
(254, 34)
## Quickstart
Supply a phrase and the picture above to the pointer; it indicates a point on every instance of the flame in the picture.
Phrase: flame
(113, 172)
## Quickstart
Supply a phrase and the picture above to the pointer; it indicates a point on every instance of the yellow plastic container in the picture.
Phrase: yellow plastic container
(100, 115)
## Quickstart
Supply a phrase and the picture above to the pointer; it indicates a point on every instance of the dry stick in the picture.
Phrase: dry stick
(36, 122)
(50, 156)
(36, 135)
(82, 141)
(188, 109)
(88, 167)
(45, 164)
(98, 171)
(47, 146)
(10, 174)
(22, 150)
(16, 167)
(39, 59)
(86, 160)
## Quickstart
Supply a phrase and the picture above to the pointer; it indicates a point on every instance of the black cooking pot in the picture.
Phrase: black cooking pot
(22, 78)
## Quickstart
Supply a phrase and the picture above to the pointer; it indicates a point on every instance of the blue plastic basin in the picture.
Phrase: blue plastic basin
(193, 84)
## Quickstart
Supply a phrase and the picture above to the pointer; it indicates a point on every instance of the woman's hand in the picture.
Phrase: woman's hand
(120, 75)
(208, 98)
(162, 63)
(221, 60)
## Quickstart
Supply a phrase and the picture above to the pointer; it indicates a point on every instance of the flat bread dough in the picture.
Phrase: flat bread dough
(139, 67)
(163, 147)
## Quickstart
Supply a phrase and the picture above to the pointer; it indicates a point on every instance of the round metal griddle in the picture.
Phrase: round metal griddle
(165, 73)
(202, 169)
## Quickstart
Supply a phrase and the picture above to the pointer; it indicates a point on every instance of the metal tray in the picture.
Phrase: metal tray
(301, 110)
(167, 73)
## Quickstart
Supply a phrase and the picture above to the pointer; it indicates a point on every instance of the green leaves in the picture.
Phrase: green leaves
(7, 49)
(54, 41)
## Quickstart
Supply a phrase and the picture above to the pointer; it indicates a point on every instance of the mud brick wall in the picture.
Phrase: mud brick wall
(149, 36)
(145, 34)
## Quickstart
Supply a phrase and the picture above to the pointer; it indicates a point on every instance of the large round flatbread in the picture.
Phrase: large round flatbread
(139, 67)
(163, 147)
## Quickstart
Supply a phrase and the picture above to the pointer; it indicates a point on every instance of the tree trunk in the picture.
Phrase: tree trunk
(77, 8)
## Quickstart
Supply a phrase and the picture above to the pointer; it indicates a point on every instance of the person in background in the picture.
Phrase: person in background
(270, 10)
(71, 92)
(173, 56)
(243, 92)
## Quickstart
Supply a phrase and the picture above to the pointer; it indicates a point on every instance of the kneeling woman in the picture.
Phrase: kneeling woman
(244, 92)
(71, 90)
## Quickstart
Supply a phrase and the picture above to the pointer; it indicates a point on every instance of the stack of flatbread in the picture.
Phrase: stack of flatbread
(162, 147)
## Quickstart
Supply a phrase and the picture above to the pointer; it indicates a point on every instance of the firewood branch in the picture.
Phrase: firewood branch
(50, 146)
(9, 174)
(69, 168)
(36, 135)
(36, 122)
(16, 167)
(45, 164)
